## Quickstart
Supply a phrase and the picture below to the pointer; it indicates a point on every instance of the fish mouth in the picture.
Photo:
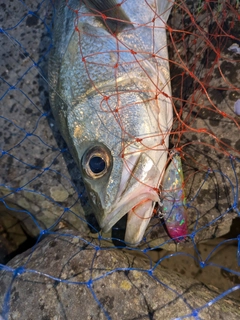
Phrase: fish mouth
(136, 198)
(139, 211)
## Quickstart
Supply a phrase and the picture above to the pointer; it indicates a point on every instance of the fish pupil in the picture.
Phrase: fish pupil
(97, 164)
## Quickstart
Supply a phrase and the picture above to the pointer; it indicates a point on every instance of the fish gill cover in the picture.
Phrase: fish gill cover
(73, 270)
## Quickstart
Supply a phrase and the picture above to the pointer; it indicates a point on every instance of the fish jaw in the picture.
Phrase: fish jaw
(137, 222)
(134, 204)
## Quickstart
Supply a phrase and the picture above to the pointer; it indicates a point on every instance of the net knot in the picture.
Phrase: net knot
(192, 235)
(43, 232)
(133, 52)
(3, 152)
(195, 313)
(150, 272)
(103, 16)
(89, 283)
(19, 271)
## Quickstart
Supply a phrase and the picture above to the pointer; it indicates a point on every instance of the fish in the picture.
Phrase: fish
(110, 95)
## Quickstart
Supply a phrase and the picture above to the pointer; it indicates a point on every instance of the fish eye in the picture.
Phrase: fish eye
(96, 161)
(97, 164)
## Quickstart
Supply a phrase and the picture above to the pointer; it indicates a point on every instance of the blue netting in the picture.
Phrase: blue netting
(41, 186)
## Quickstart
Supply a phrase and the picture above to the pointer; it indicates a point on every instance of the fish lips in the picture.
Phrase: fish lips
(139, 210)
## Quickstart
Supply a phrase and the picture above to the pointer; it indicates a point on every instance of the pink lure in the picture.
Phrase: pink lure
(173, 200)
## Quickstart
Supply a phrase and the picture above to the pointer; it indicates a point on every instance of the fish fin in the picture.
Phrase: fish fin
(116, 20)
(164, 8)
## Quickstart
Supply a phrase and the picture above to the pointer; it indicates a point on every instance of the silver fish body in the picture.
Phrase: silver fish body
(110, 94)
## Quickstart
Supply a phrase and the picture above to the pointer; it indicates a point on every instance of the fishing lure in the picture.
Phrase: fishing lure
(173, 200)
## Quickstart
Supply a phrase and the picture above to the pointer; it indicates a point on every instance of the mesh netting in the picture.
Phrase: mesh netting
(73, 269)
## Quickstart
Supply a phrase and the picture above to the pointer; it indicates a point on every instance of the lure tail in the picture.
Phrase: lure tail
(174, 211)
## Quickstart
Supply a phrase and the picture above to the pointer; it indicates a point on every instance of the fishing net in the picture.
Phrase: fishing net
(44, 204)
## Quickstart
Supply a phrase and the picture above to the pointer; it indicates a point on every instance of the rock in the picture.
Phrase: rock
(70, 276)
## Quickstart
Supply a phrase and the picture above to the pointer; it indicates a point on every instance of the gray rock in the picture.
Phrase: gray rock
(67, 276)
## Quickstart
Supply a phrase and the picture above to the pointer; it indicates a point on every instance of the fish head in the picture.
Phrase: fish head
(118, 186)
(121, 173)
